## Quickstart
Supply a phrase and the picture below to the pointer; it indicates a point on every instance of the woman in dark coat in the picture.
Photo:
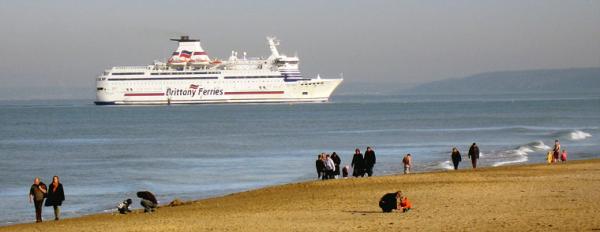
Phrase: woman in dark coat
(337, 161)
(358, 164)
(456, 158)
(55, 196)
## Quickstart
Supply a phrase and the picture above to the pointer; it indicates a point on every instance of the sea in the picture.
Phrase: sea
(105, 154)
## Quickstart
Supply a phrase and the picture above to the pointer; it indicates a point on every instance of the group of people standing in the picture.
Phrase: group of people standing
(473, 156)
(328, 166)
(53, 194)
(554, 155)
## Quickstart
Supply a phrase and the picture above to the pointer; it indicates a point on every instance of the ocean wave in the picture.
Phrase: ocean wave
(519, 154)
(578, 135)
(445, 165)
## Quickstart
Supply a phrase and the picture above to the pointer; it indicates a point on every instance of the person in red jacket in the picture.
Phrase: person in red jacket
(563, 156)
(405, 204)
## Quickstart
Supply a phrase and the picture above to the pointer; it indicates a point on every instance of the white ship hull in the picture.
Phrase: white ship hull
(115, 91)
(191, 77)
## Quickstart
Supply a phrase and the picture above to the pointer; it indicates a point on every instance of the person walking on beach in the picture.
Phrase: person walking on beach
(337, 161)
(358, 164)
(55, 196)
(556, 150)
(407, 162)
(370, 161)
(329, 167)
(563, 156)
(474, 154)
(148, 201)
(320, 165)
(456, 158)
(37, 193)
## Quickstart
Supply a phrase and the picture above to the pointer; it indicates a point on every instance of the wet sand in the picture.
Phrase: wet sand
(561, 197)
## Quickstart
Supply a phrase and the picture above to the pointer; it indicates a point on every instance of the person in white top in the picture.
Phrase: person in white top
(329, 167)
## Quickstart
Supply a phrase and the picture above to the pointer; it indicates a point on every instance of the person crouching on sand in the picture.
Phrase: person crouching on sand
(563, 156)
(456, 158)
(389, 201)
(55, 196)
(148, 201)
(405, 204)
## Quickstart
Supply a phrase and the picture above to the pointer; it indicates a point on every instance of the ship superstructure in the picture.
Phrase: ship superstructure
(191, 76)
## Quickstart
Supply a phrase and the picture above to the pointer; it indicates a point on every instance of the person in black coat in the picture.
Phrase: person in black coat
(148, 201)
(389, 201)
(320, 165)
(456, 158)
(474, 154)
(337, 161)
(370, 161)
(358, 164)
(55, 196)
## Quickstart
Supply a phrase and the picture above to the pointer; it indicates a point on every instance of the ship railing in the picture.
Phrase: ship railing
(129, 67)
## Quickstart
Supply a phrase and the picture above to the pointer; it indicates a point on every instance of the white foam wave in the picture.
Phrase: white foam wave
(445, 165)
(578, 135)
(519, 154)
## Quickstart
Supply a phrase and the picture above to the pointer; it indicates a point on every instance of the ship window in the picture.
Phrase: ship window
(304, 93)
(99, 88)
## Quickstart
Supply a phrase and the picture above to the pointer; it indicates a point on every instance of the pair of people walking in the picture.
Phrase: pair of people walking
(54, 195)
(473, 156)
(362, 165)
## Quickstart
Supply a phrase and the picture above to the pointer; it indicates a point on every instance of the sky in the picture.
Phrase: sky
(55, 49)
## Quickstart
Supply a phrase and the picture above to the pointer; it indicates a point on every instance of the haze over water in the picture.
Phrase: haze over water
(105, 154)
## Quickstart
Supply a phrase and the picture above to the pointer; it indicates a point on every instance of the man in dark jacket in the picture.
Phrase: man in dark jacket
(320, 165)
(370, 160)
(37, 193)
(337, 161)
(149, 202)
(474, 154)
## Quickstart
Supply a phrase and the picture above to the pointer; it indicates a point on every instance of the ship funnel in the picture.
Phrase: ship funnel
(188, 51)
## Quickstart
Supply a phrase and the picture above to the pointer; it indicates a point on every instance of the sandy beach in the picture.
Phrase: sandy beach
(514, 198)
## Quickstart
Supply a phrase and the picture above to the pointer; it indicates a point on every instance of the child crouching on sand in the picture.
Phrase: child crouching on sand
(405, 204)
(123, 207)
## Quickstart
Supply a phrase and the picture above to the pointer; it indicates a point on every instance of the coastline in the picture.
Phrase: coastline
(524, 196)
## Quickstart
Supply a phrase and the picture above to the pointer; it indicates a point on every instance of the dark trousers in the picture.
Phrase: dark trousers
(38, 209)
(474, 162)
(455, 164)
(148, 205)
(369, 171)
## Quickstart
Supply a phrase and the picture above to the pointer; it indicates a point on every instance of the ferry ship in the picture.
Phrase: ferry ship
(191, 76)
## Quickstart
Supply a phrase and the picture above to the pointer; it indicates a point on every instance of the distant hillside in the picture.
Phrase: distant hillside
(546, 80)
